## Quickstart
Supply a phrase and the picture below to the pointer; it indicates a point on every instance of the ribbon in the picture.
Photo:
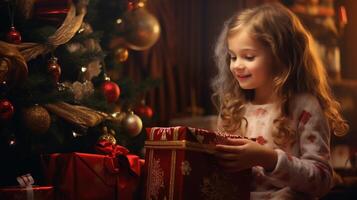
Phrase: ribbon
(126, 161)
(27, 181)
(13, 66)
(77, 115)
(107, 148)
(63, 34)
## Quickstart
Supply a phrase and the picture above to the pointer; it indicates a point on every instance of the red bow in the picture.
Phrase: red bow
(126, 160)
(107, 148)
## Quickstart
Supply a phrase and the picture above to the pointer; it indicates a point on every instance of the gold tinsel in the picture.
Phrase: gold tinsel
(78, 115)
(13, 67)
(64, 33)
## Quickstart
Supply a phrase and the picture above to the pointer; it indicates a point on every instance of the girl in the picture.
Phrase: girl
(272, 87)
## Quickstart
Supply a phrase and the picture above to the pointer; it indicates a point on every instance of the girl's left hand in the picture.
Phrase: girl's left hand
(240, 154)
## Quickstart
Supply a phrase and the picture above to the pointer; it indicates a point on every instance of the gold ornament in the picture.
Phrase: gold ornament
(37, 119)
(110, 137)
(132, 124)
(121, 55)
(141, 29)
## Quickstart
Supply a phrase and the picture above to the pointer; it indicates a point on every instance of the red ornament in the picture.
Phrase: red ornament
(342, 14)
(111, 91)
(6, 110)
(13, 36)
(130, 6)
(54, 69)
(144, 111)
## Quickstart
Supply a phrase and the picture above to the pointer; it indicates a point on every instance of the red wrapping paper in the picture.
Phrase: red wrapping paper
(20, 193)
(179, 165)
(93, 176)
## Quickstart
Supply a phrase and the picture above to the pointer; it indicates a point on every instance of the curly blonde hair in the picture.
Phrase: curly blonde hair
(298, 69)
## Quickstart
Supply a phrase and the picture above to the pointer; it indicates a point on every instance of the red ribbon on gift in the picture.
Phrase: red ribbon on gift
(107, 148)
(126, 161)
(128, 166)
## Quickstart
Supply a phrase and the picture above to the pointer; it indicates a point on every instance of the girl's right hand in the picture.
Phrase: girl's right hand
(240, 154)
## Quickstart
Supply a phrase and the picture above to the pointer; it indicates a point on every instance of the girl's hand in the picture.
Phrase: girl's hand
(240, 154)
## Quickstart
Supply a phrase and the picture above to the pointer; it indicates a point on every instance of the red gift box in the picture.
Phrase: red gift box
(30, 193)
(179, 165)
(92, 176)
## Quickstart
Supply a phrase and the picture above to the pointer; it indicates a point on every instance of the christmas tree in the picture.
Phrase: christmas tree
(62, 86)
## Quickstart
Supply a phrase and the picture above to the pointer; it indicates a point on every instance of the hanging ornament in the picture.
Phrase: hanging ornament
(54, 69)
(144, 111)
(111, 91)
(6, 110)
(140, 29)
(108, 136)
(37, 119)
(130, 6)
(121, 55)
(132, 124)
(13, 36)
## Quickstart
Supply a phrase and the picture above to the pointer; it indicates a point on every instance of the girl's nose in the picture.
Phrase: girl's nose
(238, 65)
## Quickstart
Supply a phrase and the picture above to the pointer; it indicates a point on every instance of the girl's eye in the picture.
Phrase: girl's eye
(233, 58)
(250, 58)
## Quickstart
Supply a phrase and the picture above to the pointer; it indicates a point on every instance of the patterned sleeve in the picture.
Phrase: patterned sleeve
(311, 172)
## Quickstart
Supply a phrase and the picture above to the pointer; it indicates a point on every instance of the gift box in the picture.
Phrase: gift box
(179, 165)
(93, 176)
(27, 193)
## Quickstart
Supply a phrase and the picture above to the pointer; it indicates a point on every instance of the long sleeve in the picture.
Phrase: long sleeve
(310, 172)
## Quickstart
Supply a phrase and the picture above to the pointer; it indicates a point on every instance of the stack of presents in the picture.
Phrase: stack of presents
(179, 164)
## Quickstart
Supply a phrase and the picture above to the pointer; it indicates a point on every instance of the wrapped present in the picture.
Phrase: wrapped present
(93, 176)
(27, 193)
(179, 165)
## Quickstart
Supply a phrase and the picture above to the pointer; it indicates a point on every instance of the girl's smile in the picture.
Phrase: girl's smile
(242, 77)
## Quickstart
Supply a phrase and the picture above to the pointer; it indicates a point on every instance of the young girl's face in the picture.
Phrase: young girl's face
(250, 61)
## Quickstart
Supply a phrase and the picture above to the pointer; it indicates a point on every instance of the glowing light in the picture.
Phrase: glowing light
(119, 21)
(84, 69)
